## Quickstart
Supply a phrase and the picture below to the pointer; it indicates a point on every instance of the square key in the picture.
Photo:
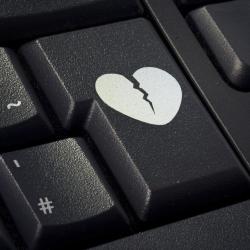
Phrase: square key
(58, 197)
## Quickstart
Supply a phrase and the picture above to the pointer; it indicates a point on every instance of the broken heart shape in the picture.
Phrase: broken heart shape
(155, 101)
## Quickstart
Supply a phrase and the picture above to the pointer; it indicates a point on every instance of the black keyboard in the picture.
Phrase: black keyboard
(124, 124)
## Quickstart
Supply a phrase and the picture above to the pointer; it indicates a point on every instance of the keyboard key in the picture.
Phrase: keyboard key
(5, 241)
(21, 119)
(61, 200)
(224, 28)
(160, 143)
(226, 228)
(24, 19)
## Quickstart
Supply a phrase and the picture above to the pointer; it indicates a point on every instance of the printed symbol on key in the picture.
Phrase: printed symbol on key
(17, 164)
(45, 205)
(14, 105)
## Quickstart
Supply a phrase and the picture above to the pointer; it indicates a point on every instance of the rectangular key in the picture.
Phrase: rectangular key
(24, 19)
(57, 198)
(121, 84)
(22, 119)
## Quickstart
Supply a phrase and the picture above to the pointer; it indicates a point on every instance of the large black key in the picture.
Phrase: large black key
(24, 19)
(227, 228)
(162, 146)
(5, 241)
(56, 197)
(21, 118)
(224, 28)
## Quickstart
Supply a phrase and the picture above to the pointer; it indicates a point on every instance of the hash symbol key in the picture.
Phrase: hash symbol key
(58, 192)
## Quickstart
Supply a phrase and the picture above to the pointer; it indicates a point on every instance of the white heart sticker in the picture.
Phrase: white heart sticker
(154, 99)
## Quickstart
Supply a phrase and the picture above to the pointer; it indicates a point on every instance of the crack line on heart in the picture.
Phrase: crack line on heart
(136, 85)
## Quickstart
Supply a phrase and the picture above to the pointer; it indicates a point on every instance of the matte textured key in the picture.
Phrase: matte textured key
(5, 241)
(57, 198)
(21, 118)
(226, 228)
(24, 19)
(167, 165)
(224, 28)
